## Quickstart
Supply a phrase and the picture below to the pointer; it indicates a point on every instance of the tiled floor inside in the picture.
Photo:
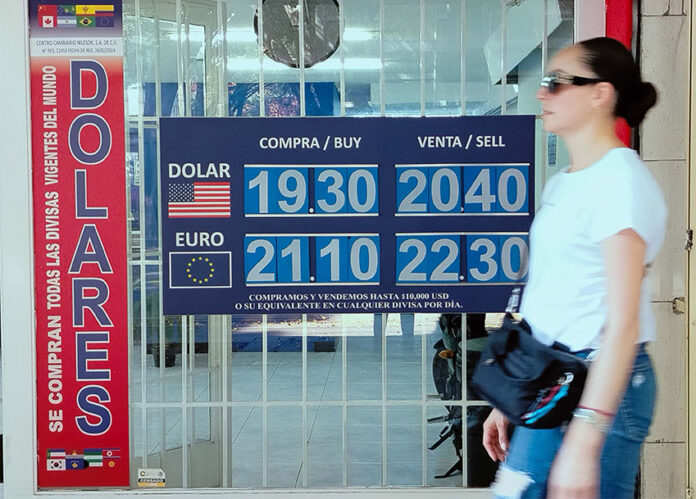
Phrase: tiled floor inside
(371, 443)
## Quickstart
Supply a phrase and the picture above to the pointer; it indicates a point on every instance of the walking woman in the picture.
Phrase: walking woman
(600, 225)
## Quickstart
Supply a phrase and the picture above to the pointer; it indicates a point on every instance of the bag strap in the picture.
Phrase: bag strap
(513, 304)
(498, 340)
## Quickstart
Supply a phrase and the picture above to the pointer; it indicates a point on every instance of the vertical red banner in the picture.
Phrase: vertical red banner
(619, 23)
(79, 190)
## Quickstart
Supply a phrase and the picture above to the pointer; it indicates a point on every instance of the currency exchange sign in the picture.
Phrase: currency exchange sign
(343, 215)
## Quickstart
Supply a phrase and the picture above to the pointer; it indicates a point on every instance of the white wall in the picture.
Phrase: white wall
(664, 58)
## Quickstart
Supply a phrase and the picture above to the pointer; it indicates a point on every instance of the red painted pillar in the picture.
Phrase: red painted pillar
(619, 22)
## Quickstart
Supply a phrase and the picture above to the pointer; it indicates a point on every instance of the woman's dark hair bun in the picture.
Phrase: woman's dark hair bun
(637, 104)
(612, 62)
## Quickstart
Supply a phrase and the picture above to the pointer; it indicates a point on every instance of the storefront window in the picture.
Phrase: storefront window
(311, 401)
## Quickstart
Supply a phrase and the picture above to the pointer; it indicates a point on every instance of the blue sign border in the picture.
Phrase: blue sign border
(387, 142)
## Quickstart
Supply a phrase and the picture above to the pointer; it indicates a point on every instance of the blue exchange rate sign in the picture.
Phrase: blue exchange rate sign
(341, 215)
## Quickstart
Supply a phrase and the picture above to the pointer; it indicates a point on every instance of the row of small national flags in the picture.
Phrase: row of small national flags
(59, 460)
(76, 16)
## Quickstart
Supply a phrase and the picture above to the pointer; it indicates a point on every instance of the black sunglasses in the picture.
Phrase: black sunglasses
(553, 80)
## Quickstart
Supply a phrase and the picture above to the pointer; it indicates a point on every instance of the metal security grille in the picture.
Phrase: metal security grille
(394, 58)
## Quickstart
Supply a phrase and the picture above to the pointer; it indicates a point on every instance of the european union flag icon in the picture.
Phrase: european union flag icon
(190, 269)
(106, 21)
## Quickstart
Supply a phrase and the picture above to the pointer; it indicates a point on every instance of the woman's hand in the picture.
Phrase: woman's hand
(575, 470)
(495, 439)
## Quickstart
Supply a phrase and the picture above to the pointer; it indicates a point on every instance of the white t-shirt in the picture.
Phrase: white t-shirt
(565, 297)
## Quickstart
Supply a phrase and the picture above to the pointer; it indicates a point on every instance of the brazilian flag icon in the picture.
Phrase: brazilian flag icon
(211, 269)
(85, 21)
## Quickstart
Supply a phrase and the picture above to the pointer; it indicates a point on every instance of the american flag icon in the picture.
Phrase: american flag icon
(199, 200)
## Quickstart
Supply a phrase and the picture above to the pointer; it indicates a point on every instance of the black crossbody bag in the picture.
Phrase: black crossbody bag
(532, 384)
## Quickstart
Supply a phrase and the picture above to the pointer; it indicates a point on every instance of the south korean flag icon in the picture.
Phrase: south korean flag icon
(56, 465)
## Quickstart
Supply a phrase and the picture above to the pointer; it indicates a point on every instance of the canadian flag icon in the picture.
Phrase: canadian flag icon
(48, 22)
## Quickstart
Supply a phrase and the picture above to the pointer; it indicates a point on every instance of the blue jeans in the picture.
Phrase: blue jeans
(525, 472)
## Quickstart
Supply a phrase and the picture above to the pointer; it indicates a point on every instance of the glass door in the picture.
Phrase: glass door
(301, 400)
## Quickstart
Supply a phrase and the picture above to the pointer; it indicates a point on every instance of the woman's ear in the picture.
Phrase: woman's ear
(604, 95)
